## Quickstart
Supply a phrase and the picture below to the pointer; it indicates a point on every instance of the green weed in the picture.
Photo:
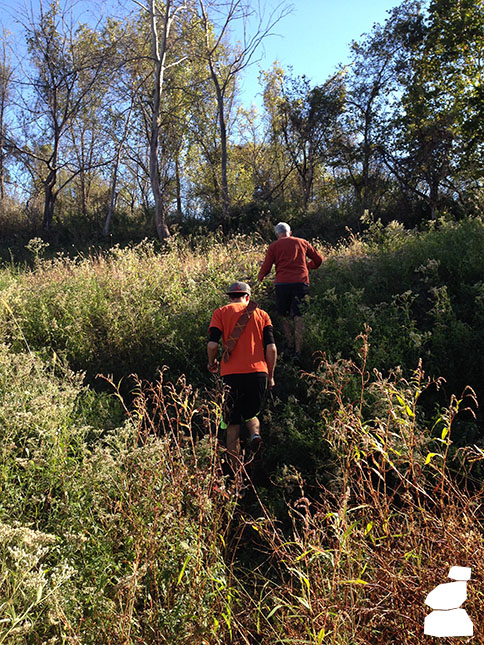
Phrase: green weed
(116, 525)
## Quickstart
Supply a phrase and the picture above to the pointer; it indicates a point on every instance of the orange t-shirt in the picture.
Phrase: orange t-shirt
(289, 256)
(248, 355)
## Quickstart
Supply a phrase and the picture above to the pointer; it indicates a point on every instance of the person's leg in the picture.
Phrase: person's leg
(233, 446)
(298, 333)
(288, 331)
(253, 427)
(254, 394)
(283, 304)
(232, 418)
(300, 294)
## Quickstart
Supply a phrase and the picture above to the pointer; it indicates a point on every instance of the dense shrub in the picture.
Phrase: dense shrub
(129, 310)
(421, 293)
(111, 535)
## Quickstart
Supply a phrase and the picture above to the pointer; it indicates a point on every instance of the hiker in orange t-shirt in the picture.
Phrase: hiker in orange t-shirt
(289, 255)
(247, 365)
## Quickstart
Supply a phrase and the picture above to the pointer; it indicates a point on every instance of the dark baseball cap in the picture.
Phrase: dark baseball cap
(238, 287)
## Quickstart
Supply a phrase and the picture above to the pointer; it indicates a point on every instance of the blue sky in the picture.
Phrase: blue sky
(315, 38)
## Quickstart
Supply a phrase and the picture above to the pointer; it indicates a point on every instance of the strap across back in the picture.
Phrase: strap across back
(238, 329)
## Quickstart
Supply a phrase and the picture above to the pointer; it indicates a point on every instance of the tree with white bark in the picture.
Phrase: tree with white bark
(225, 64)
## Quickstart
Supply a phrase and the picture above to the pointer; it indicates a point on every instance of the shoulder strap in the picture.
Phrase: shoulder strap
(238, 329)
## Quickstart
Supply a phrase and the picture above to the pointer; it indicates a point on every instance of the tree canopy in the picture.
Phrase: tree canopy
(137, 122)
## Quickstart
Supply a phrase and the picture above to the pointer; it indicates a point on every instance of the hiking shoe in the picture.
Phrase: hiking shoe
(255, 442)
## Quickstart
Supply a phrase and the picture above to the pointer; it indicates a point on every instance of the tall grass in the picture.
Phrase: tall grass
(108, 535)
(127, 311)
(360, 555)
(135, 310)
(128, 535)
(116, 524)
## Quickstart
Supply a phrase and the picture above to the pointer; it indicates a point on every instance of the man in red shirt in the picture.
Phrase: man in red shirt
(289, 255)
(247, 368)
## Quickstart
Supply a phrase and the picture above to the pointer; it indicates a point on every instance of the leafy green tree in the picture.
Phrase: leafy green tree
(128, 118)
(202, 166)
(441, 122)
(309, 123)
(86, 132)
(371, 86)
(162, 17)
(121, 123)
(455, 46)
(277, 180)
(168, 75)
(370, 157)
(226, 63)
(65, 67)
(249, 169)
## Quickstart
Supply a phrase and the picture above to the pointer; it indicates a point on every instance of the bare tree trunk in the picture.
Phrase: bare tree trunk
(114, 181)
(159, 55)
(307, 187)
(2, 144)
(365, 174)
(2, 148)
(178, 186)
(83, 194)
(5, 74)
(223, 144)
(49, 200)
(50, 194)
(112, 200)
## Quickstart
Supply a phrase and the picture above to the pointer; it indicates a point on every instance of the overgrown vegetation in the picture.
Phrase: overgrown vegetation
(116, 524)
(108, 534)
(129, 310)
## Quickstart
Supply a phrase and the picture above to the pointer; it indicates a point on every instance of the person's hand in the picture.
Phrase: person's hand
(213, 368)
(270, 382)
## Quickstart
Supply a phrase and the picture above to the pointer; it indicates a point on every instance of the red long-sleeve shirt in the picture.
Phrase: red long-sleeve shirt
(289, 256)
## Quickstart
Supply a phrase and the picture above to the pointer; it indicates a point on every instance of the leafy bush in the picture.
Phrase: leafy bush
(421, 293)
(129, 311)
(106, 534)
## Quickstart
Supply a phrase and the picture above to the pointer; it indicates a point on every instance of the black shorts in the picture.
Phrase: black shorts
(289, 297)
(245, 398)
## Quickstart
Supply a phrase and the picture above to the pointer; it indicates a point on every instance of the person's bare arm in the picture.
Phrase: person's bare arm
(271, 360)
(212, 351)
